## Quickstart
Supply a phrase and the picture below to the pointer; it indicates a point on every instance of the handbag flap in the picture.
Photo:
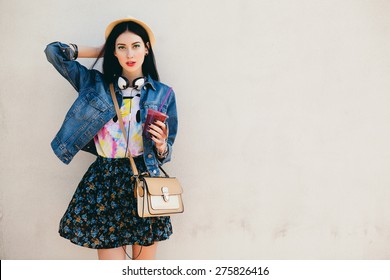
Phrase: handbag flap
(155, 185)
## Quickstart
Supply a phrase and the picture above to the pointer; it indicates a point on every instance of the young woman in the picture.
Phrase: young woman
(103, 213)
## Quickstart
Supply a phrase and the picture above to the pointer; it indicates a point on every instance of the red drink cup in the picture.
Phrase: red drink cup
(153, 116)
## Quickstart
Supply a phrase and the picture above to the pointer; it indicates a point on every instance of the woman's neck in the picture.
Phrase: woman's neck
(131, 76)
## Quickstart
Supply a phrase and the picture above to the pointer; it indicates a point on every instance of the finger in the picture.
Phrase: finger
(156, 129)
(160, 123)
(157, 140)
(155, 133)
(163, 133)
(162, 126)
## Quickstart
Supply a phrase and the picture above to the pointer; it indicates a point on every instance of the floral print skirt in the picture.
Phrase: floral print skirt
(103, 211)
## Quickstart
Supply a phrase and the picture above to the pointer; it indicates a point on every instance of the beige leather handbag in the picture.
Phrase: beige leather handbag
(156, 196)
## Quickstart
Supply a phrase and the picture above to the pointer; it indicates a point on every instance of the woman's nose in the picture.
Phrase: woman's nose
(129, 53)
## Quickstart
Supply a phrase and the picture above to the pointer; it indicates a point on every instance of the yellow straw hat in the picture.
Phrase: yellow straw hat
(111, 26)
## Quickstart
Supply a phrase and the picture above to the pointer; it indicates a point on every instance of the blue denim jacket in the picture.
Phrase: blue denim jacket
(94, 107)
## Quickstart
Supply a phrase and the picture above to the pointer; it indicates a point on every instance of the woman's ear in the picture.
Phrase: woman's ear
(147, 48)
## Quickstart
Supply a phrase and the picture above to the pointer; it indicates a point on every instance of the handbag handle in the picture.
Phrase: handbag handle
(119, 115)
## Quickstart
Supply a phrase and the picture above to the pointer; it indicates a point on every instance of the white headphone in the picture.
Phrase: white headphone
(123, 83)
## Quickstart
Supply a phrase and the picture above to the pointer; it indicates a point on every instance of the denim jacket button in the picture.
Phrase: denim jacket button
(154, 171)
(150, 155)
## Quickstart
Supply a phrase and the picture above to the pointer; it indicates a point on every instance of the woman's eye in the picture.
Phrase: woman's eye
(137, 46)
(121, 47)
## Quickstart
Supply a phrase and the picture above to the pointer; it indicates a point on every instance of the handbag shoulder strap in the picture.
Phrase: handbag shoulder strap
(119, 115)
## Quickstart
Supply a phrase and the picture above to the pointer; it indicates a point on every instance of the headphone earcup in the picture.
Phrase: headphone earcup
(123, 83)
(138, 83)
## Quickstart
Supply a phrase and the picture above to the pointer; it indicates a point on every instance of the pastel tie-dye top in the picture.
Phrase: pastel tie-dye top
(109, 141)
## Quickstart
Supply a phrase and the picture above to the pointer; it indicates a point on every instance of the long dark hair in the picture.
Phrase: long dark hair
(111, 67)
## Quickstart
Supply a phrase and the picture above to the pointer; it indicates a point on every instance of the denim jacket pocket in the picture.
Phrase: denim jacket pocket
(97, 103)
(145, 107)
(85, 107)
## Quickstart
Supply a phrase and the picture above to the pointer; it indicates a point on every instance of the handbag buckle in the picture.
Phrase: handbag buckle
(139, 187)
(165, 192)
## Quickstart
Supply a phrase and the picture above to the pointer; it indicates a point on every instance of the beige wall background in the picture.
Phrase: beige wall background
(283, 144)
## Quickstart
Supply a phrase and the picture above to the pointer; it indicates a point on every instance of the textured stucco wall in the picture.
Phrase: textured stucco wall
(283, 145)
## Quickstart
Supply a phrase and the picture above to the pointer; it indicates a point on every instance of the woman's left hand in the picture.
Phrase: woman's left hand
(159, 134)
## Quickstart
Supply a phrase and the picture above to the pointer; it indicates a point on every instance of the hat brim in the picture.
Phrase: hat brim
(111, 26)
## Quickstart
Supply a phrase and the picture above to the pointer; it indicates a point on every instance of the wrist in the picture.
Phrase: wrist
(75, 51)
(162, 151)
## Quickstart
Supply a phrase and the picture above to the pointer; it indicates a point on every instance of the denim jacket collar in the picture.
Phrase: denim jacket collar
(150, 82)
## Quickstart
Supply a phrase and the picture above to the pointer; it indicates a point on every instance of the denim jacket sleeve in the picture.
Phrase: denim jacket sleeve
(77, 75)
(172, 123)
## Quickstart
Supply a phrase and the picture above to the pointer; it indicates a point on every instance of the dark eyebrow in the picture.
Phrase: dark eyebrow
(132, 43)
